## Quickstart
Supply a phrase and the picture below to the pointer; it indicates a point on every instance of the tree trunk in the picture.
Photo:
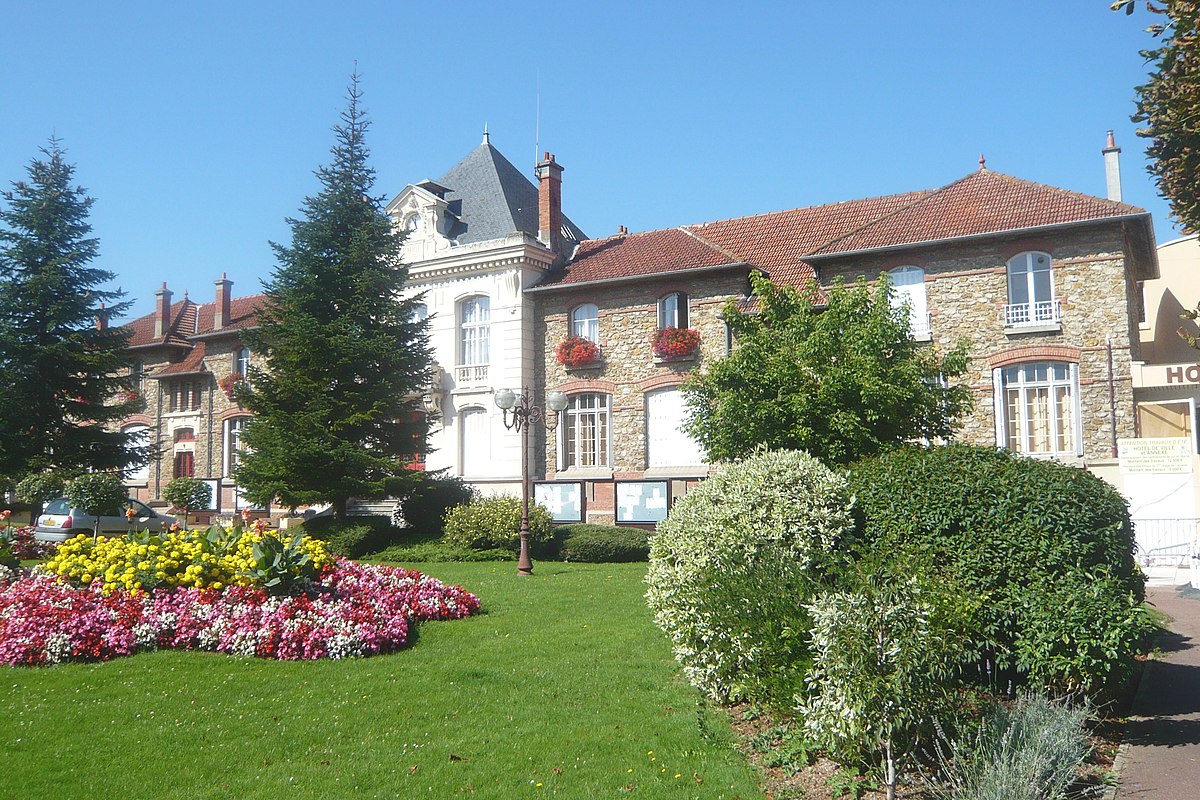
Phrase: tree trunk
(339, 508)
(890, 771)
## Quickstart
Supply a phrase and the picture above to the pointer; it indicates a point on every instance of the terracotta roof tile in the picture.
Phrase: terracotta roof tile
(982, 202)
(780, 242)
(191, 319)
(192, 365)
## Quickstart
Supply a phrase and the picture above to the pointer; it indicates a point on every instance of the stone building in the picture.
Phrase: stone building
(1038, 280)
(187, 358)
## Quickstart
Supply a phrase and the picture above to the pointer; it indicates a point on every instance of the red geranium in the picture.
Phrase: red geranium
(576, 351)
(676, 342)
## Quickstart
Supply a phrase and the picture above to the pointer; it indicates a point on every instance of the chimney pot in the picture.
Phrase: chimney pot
(102, 318)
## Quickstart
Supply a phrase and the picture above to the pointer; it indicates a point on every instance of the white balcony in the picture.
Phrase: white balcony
(468, 375)
(1046, 315)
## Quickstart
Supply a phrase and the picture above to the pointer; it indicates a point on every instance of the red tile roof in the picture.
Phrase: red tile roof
(190, 319)
(192, 365)
(780, 242)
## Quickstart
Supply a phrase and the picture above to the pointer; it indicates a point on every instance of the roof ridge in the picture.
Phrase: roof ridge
(808, 208)
(931, 193)
(732, 258)
(1051, 188)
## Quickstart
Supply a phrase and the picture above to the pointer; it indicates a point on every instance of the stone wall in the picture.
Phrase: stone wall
(966, 286)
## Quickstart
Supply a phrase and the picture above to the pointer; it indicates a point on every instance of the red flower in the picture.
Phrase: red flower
(675, 342)
(576, 351)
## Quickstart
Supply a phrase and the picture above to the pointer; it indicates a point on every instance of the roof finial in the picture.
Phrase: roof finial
(485, 133)
(982, 163)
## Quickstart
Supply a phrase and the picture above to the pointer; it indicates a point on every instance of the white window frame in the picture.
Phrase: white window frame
(485, 456)
(1029, 306)
(139, 476)
(474, 340)
(1025, 389)
(586, 427)
(673, 310)
(241, 361)
(908, 291)
(680, 445)
(585, 322)
(231, 443)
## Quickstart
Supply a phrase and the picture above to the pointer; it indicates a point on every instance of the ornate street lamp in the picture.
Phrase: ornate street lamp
(519, 413)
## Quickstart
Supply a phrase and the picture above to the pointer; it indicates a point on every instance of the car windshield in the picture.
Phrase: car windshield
(59, 506)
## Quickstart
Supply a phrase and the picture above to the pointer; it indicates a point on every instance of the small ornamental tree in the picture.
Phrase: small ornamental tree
(731, 565)
(64, 375)
(37, 488)
(187, 494)
(885, 653)
(840, 381)
(345, 357)
(98, 494)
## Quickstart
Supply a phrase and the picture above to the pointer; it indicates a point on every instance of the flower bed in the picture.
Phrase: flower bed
(351, 610)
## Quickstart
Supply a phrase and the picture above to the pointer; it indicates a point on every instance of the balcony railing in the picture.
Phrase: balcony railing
(922, 327)
(1027, 315)
(471, 375)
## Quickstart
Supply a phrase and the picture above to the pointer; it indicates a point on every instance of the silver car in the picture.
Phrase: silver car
(59, 522)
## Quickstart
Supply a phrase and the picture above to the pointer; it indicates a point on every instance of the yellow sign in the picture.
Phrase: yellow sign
(1162, 456)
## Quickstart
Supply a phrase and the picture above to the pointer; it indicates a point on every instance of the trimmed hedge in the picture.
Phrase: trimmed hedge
(352, 538)
(1049, 548)
(602, 544)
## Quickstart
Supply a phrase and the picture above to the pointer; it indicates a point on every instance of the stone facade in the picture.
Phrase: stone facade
(967, 290)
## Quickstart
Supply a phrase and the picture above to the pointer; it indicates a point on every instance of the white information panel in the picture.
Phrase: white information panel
(641, 501)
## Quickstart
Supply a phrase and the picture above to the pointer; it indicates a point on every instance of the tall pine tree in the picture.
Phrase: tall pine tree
(62, 372)
(345, 358)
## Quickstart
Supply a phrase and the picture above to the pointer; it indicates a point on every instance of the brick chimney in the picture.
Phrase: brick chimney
(1112, 168)
(221, 312)
(102, 318)
(549, 175)
(162, 317)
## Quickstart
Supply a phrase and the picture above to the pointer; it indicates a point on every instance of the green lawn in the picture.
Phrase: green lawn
(563, 688)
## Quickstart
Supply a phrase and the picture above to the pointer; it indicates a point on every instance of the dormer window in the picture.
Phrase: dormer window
(412, 222)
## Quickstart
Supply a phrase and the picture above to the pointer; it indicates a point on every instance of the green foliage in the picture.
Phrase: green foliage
(885, 652)
(731, 565)
(38, 487)
(840, 383)
(1030, 750)
(187, 494)
(281, 566)
(1167, 105)
(849, 782)
(426, 505)
(600, 544)
(62, 373)
(1049, 547)
(495, 522)
(99, 494)
(354, 537)
(336, 398)
(439, 552)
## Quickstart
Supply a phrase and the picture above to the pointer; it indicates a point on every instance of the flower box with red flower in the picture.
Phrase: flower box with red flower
(230, 382)
(577, 352)
(676, 343)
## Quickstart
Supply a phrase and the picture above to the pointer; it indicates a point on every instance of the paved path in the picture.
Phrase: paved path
(1162, 757)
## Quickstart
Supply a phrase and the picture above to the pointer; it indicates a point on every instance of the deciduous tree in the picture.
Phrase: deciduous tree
(840, 380)
(345, 356)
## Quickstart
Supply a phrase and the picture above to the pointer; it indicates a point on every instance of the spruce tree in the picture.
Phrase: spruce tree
(345, 357)
(62, 375)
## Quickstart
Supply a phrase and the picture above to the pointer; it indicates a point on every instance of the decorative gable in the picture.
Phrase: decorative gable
(423, 212)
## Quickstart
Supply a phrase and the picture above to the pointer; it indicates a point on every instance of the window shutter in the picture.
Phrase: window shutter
(1077, 410)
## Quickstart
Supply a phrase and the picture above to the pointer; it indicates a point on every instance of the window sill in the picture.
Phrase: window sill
(597, 364)
(1041, 327)
(584, 473)
(665, 360)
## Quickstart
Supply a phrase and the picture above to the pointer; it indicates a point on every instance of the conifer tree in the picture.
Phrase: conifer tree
(345, 357)
(62, 372)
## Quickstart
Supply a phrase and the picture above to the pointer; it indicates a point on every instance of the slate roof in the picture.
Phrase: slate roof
(783, 243)
(491, 199)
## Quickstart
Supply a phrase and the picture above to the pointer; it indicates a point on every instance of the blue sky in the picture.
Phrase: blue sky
(197, 126)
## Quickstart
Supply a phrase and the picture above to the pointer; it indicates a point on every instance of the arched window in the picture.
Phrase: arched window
(139, 436)
(667, 444)
(908, 290)
(1037, 408)
(474, 351)
(585, 322)
(1030, 291)
(673, 310)
(585, 431)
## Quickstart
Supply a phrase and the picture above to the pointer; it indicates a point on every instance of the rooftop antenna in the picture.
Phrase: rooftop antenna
(537, 117)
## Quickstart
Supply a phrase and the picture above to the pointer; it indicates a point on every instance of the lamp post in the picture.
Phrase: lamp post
(519, 413)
